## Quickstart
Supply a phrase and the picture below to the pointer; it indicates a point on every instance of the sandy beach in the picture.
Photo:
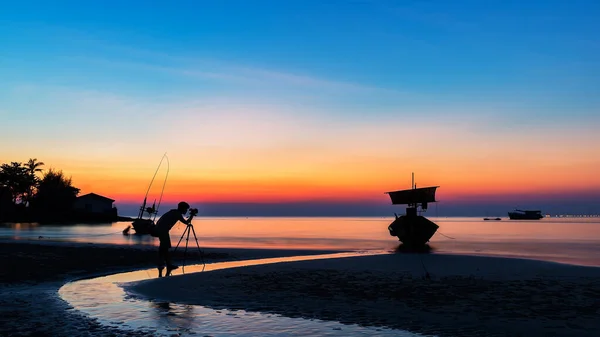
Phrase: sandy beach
(34, 271)
(445, 295)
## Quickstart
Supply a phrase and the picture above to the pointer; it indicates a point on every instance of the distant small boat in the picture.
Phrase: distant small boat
(496, 219)
(525, 215)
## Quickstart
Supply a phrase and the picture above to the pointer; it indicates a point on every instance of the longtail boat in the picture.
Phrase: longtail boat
(413, 229)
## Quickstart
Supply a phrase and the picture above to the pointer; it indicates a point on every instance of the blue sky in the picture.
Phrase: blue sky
(450, 50)
(472, 71)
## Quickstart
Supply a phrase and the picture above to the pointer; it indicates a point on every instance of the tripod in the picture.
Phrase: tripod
(186, 233)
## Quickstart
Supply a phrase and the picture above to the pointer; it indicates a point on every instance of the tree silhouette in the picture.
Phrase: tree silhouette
(26, 195)
(55, 194)
(16, 179)
(6, 204)
(32, 167)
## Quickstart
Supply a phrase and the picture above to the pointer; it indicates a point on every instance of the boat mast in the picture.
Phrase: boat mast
(141, 214)
(412, 185)
(143, 208)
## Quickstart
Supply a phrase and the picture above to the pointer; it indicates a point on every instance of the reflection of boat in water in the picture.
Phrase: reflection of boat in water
(525, 215)
(496, 219)
(145, 226)
(413, 229)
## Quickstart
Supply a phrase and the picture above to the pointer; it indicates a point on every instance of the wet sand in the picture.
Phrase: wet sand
(446, 295)
(463, 296)
(33, 272)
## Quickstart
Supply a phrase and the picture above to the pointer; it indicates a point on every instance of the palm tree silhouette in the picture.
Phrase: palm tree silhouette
(32, 166)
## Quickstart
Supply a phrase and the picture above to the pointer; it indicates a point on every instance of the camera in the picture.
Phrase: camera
(193, 211)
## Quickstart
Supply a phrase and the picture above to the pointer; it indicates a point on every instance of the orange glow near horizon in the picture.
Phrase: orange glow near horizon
(363, 183)
(356, 163)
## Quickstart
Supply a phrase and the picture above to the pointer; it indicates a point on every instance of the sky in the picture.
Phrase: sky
(309, 107)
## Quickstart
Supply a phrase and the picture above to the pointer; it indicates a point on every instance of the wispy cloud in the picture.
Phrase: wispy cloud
(109, 123)
(242, 75)
(226, 141)
(88, 48)
(303, 80)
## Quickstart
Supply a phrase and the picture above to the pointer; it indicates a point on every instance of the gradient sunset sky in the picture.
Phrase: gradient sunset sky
(294, 103)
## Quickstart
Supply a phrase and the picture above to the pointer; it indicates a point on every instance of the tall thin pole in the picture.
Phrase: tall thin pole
(412, 186)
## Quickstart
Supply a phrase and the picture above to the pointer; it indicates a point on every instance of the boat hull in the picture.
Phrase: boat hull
(524, 216)
(143, 226)
(413, 230)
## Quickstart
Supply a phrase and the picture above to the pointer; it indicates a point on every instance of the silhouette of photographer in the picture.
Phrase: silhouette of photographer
(166, 222)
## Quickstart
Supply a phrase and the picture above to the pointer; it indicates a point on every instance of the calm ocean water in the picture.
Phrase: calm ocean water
(568, 240)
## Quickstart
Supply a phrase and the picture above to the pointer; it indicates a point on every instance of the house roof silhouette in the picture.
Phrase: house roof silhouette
(95, 196)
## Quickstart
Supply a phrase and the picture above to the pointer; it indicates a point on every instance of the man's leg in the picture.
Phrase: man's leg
(161, 258)
(165, 244)
(162, 255)
(170, 265)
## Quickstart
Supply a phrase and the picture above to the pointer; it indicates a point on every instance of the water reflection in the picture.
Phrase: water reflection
(23, 226)
(569, 240)
(103, 299)
(140, 239)
(298, 232)
(173, 315)
(402, 248)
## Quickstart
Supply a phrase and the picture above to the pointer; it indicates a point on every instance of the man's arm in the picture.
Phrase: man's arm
(187, 221)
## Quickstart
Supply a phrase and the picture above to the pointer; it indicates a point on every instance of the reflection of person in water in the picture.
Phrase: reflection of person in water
(166, 222)
(164, 305)
(172, 314)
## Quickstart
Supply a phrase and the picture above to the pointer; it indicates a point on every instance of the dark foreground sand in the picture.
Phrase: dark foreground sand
(463, 296)
(32, 273)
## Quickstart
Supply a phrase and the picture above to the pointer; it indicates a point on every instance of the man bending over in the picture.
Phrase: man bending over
(161, 230)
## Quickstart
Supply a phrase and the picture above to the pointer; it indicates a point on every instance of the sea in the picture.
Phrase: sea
(563, 240)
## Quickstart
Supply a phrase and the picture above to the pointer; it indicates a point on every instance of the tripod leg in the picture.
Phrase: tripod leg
(168, 273)
(181, 238)
(186, 246)
(199, 250)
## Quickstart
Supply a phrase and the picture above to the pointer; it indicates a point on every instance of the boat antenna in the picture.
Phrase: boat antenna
(155, 172)
(163, 187)
(412, 184)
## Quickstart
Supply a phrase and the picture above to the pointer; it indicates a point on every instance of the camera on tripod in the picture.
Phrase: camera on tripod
(186, 233)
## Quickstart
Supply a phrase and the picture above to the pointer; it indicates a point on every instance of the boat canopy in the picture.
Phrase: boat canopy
(413, 196)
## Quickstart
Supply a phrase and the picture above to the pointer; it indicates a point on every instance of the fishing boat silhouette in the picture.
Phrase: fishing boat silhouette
(413, 229)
